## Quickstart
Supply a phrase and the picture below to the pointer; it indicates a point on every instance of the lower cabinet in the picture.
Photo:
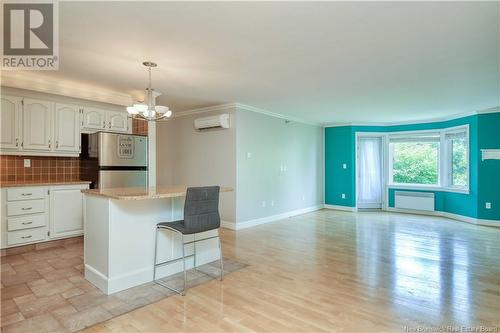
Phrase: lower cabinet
(33, 214)
(66, 212)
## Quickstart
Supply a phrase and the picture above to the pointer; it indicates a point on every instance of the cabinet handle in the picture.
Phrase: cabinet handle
(24, 237)
(57, 144)
(26, 223)
(49, 143)
(109, 124)
(104, 124)
(17, 142)
(27, 208)
(26, 194)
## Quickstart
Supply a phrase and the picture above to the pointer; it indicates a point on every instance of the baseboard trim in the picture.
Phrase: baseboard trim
(268, 219)
(343, 208)
(461, 218)
(96, 278)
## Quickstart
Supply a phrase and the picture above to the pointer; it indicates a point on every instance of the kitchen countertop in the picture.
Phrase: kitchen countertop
(143, 193)
(43, 183)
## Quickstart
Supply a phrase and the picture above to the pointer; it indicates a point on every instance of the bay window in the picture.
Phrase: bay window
(430, 158)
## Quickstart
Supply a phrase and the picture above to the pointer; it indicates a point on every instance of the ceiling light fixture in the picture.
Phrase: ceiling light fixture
(148, 110)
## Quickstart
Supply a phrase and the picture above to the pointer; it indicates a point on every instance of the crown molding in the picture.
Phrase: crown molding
(413, 122)
(220, 107)
(245, 107)
(276, 115)
(64, 88)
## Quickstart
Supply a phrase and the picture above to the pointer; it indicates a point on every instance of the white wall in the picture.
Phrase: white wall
(285, 169)
(186, 156)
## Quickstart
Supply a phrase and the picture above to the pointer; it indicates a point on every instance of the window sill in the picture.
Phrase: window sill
(429, 188)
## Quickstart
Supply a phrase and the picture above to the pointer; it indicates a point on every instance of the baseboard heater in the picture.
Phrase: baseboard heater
(414, 200)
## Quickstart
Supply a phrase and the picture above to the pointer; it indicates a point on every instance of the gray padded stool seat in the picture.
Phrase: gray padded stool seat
(201, 213)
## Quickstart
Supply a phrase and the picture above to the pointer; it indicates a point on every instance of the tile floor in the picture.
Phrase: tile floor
(45, 291)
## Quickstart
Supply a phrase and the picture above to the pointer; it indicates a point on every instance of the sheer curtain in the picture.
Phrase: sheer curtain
(370, 173)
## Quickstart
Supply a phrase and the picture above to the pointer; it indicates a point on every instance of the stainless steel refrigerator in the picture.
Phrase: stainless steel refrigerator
(114, 160)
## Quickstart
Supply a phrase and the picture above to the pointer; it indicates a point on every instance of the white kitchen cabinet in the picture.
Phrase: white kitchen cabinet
(24, 215)
(67, 128)
(33, 214)
(10, 122)
(94, 119)
(117, 121)
(66, 211)
(103, 120)
(37, 125)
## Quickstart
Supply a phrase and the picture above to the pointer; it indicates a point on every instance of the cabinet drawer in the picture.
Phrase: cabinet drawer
(25, 222)
(25, 236)
(25, 207)
(25, 193)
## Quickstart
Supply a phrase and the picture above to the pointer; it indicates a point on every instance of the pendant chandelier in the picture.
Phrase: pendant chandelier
(148, 110)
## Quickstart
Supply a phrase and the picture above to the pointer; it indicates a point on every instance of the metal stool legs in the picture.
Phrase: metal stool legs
(183, 258)
(221, 260)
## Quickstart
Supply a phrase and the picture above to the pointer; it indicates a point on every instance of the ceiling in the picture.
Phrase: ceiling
(322, 62)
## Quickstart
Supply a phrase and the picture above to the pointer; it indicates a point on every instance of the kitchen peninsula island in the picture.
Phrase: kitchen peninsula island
(119, 234)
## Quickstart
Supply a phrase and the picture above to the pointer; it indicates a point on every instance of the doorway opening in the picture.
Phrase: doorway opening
(370, 176)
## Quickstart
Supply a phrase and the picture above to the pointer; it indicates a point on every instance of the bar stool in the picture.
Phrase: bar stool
(201, 213)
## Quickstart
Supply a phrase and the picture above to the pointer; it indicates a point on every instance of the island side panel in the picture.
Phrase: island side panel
(96, 240)
(132, 240)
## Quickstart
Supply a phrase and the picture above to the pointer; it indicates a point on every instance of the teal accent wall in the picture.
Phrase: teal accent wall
(484, 132)
(489, 170)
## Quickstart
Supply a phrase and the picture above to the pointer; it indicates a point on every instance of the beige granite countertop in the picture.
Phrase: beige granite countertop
(43, 183)
(143, 193)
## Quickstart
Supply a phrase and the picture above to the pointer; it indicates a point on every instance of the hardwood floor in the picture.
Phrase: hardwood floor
(336, 271)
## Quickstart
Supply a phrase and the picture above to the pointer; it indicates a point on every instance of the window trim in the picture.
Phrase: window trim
(444, 183)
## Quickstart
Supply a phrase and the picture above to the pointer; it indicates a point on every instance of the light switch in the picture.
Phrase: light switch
(488, 205)
(344, 166)
(343, 195)
(27, 163)
(249, 155)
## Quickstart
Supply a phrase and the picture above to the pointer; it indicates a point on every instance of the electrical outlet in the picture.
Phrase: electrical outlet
(343, 195)
(27, 163)
(344, 166)
(263, 204)
(488, 205)
(249, 155)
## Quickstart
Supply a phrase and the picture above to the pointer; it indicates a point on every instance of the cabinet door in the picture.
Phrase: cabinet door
(66, 212)
(10, 119)
(117, 121)
(67, 128)
(93, 119)
(37, 125)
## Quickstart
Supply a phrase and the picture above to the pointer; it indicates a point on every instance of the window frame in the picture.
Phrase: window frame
(448, 170)
(445, 159)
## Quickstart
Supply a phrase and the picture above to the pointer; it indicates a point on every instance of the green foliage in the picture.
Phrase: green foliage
(459, 162)
(416, 163)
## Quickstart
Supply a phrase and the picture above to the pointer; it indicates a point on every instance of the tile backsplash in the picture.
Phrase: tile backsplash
(42, 169)
(139, 127)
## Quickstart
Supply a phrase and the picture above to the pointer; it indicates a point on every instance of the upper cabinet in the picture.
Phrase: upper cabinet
(38, 127)
(103, 120)
(10, 122)
(93, 119)
(67, 128)
(117, 121)
(37, 124)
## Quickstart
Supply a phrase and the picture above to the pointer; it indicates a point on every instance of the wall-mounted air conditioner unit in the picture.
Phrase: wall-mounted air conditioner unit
(218, 121)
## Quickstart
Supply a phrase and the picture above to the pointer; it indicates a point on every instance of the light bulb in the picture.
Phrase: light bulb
(132, 110)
